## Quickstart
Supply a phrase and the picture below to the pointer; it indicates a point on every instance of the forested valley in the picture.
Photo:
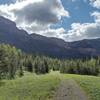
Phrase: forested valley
(14, 62)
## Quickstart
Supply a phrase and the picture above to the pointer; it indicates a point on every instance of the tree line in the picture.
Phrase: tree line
(15, 62)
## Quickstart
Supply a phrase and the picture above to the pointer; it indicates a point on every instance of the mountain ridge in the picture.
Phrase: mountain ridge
(50, 46)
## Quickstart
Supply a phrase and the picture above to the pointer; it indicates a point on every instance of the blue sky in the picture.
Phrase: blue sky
(79, 12)
(72, 20)
(6, 1)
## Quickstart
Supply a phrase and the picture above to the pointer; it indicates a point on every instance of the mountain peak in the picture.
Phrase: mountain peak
(54, 47)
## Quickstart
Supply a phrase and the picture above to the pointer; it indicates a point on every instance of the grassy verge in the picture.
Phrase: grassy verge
(90, 84)
(29, 87)
(42, 87)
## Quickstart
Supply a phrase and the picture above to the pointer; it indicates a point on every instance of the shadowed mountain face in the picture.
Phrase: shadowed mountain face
(53, 47)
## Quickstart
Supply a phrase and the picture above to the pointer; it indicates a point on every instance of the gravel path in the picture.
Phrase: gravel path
(69, 90)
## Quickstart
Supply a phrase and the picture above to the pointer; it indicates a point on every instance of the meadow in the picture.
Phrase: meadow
(29, 87)
(91, 85)
(43, 87)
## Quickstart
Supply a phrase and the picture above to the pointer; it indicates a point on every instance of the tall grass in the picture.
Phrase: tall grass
(29, 87)
(43, 87)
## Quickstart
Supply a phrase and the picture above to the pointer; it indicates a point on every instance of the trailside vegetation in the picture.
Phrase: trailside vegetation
(13, 62)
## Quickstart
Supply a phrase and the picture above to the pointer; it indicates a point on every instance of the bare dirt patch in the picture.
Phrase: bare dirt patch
(70, 90)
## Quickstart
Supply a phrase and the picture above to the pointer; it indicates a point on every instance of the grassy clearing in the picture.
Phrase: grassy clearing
(29, 87)
(42, 87)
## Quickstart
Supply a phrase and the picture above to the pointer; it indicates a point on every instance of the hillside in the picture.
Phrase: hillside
(54, 47)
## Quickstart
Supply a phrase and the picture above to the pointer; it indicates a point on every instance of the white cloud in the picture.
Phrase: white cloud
(95, 3)
(84, 31)
(53, 32)
(96, 16)
(80, 31)
(35, 15)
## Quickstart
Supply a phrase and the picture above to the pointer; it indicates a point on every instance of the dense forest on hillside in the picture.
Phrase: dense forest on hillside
(14, 62)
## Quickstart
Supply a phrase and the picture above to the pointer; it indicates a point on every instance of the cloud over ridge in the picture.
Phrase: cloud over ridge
(37, 16)
(34, 15)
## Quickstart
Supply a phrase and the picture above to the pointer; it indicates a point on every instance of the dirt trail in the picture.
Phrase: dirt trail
(69, 90)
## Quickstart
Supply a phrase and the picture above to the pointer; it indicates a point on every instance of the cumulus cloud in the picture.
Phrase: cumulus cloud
(44, 12)
(84, 31)
(95, 3)
(96, 15)
(53, 32)
(80, 31)
(35, 15)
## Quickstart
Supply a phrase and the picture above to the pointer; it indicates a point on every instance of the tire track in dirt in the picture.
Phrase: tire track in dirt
(70, 90)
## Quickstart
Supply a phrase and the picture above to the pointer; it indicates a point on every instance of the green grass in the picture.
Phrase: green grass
(90, 84)
(29, 87)
(42, 87)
